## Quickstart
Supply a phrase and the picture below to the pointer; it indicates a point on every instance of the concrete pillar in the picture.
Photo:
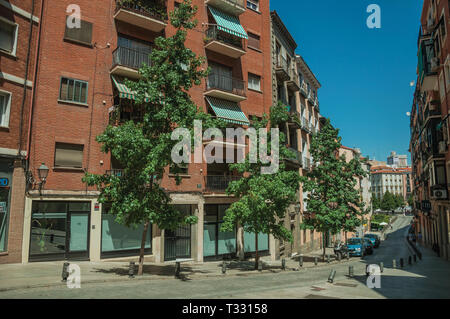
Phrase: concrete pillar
(95, 235)
(240, 242)
(26, 230)
(274, 248)
(157, 243)
(197, 234)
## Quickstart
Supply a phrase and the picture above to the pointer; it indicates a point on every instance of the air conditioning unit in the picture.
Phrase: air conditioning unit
(442, 147)
(434, 64)
(440, 193)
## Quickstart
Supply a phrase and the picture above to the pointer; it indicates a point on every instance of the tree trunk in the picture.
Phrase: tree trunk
(142, 251)
(256, 251)
(324, 246)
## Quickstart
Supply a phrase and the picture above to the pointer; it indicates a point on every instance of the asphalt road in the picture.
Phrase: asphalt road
(429, 278)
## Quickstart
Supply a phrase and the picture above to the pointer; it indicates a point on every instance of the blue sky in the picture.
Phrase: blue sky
(365, 73)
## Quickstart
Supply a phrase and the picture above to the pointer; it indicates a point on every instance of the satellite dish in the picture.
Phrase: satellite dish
(412, 83)
(408, 113)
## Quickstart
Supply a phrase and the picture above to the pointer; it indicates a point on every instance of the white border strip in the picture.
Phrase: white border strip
(15, 79)
(18, 10)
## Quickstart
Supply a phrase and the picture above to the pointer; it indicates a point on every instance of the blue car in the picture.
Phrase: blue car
(369, 246)
(356, 247)
(374, 239)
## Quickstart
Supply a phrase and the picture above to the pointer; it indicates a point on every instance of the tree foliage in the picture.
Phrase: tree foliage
(263, 199)
(334, 203)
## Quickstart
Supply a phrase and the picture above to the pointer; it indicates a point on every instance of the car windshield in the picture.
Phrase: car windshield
(354, 241)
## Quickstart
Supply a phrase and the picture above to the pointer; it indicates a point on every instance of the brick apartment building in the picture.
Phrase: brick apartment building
(429, 128)
(19, 24)
(80, 81)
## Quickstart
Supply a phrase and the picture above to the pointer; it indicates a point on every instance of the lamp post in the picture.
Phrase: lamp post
(42, 173)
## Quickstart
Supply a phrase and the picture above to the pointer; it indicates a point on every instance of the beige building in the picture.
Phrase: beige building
(396, 160)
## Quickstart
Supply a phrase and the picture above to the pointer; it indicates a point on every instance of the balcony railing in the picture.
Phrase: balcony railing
(297, 155)
(152, 9)
(304, 88)
(130, 57)
(214, 34)
(219, 182)
(306, 163)
(115, 172)
(282, 68)
(226, 83)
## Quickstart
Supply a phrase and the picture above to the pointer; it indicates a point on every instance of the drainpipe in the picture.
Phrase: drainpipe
(25, 87)
(33, 90)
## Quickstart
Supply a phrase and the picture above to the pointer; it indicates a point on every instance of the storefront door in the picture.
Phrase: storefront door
(59, 230)
(177, 243)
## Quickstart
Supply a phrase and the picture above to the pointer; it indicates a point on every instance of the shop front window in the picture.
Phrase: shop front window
(216, 242)
(4, 199)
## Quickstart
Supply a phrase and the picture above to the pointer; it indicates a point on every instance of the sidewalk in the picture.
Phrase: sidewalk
(46, 274)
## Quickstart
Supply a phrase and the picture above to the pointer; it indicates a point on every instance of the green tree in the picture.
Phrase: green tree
(263, 198)
(411, 200)
(376, 203)
(143, 147)
(388, 202)
(333, 198)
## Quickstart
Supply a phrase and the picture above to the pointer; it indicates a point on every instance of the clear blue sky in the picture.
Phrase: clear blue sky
(365, 73)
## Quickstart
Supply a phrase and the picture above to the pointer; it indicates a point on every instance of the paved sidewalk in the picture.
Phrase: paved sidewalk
(46, 274)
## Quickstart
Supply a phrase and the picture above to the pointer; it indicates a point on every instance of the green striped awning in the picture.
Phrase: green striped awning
(124, 91)
(228, 111)
(227, 23)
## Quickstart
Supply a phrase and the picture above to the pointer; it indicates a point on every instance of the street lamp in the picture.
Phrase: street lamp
(42, 173)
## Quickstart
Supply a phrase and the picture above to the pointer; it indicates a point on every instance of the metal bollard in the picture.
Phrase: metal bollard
(351, 271)
(348, 256)
(315, 261)
(339, 257)
(401, 263)
(328, 258)
(394, 263)
(260, 265)
(224, 267)
(415, 258)
(300, 261)
(131, 269)
(65, 273)
(331, 276)
(409, 260)
(381, 267)
(283, 264)
(177, 269)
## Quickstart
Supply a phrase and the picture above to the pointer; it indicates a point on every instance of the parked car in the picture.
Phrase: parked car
(368, 246)
(375, 239)
(356, 247)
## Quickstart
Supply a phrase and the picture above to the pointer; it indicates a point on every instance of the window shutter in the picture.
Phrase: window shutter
(68, 155)
(83, 34)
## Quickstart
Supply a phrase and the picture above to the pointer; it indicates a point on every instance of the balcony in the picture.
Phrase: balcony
(304, 89)
(226, 88)
(293, 83)
(126, 62)
(282, 69)
(233, 7)
(297, 158)
(428, 64)
(306, 163)
(316, 103)
(311, 98)
(152, 16)
(115, 172)
(305, 125)
(219, 183)
(224, 43)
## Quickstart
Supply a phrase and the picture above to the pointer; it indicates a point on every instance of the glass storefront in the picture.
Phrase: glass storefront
(118, 239)
(215, 242)
(5, 197)
(250, 242)
(59, 230)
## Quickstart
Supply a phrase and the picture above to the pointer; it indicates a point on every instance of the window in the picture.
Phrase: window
(8, 36)
(82, 35)
(253, 40)
(183, 169)
(253, 4)
(254, 82)
(69, 155)
(73, 90)
(5, 106)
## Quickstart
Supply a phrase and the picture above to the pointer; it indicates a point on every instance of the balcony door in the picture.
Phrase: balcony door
(133, 52)
(221, 77)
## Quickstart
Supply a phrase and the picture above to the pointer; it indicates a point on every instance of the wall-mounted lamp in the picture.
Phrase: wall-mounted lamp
(42, 173)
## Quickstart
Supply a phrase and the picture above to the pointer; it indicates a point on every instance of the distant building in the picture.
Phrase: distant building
(396, 181)
(395, 160)
(377, 163)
